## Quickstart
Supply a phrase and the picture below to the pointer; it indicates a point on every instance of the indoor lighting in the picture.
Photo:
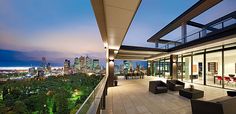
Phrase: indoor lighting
(115, 51)
(111, 60)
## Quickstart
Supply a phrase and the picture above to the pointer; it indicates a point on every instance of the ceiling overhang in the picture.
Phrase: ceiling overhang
(137, 53)
(114, 18)
(195, 10)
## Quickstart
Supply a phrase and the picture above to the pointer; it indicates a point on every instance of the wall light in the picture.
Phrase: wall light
(111, 60)
(115, 51)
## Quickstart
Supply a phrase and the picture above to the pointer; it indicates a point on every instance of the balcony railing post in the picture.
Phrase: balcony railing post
(199, 34)
(103, 106)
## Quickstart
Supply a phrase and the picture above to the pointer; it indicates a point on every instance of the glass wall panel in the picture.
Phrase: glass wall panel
(230, 69)
(161, 69)
(198, 69)
(179, 67)
(155, 68)
(167, 68)
(214, 69)
(187, 69)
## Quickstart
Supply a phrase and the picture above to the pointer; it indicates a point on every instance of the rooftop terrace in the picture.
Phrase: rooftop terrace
(132, 97)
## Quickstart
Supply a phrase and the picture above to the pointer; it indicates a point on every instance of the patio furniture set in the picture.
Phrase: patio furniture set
(223, 105)
(174, 85)
(134, 75)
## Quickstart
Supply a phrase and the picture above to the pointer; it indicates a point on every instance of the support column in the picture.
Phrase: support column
(164, 67)
(182, 67)
(156, 44)
(204, 67)
(223, 67)
(110, 66)
(159, 69)
(191, 77)
(150, 68)
(204, 32)
(173, 66)
(184, 32)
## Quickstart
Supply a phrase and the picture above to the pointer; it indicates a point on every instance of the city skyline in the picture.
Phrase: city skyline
(63, 30)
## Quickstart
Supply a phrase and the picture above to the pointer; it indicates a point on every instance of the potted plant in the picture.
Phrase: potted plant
(115, 82)
(191, 87)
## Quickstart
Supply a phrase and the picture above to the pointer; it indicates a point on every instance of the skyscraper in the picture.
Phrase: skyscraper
(49, 68)
(95, 64)
(82, 63)
(77, 63)
(44, 63)
(89, 63)
(67, 66)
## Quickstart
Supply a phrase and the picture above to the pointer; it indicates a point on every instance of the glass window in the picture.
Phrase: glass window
(187, 69)
(179, 68)
(230, 69)
(198, 69)
(167, 68)
(214, 69)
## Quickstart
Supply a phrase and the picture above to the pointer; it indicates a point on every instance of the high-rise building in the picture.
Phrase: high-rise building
(95, 64)
(82, 63)
(77, 63)
(67, 66)
(89, 63)
(49, 67)
(44, 63)
(32, 71)
(41, 72)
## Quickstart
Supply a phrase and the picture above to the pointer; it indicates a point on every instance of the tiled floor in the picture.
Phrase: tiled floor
(132, 97)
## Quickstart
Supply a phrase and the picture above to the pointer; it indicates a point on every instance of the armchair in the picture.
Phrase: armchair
(231, 93)
(157, 87)
(175, 85)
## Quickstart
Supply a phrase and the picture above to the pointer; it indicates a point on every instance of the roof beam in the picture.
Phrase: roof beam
(162, 41)
(137, 48)
(195, 10)
(138, 53)
(199, 25)
(230, 15)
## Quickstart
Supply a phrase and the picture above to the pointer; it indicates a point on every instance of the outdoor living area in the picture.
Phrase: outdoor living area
(133, 97)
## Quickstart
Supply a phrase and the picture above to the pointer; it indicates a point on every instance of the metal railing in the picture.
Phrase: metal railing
(202, 33)
(96, 100)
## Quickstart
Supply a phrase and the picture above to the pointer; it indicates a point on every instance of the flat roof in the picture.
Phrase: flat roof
(113, 19)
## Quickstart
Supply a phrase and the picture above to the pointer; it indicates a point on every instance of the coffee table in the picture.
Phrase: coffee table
(191, 93)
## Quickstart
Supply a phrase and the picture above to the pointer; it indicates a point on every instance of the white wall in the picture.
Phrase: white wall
(214, 57)
(230, 64)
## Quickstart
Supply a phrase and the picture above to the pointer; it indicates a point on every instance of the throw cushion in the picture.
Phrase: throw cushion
(161, 88)
(177, 85)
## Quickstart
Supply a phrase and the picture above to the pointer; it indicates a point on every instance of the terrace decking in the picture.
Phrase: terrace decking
(132, 97)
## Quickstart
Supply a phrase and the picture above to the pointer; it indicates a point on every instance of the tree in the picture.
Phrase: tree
(61, 103)
(20, 108)
(9, 100)
(81, 99)
(4, 92)
(2, 108)
(54, 107)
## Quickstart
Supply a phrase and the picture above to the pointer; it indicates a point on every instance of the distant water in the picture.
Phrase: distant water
(20, 68)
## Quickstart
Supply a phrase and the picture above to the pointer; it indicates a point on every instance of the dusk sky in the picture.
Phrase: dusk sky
(60, 29)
